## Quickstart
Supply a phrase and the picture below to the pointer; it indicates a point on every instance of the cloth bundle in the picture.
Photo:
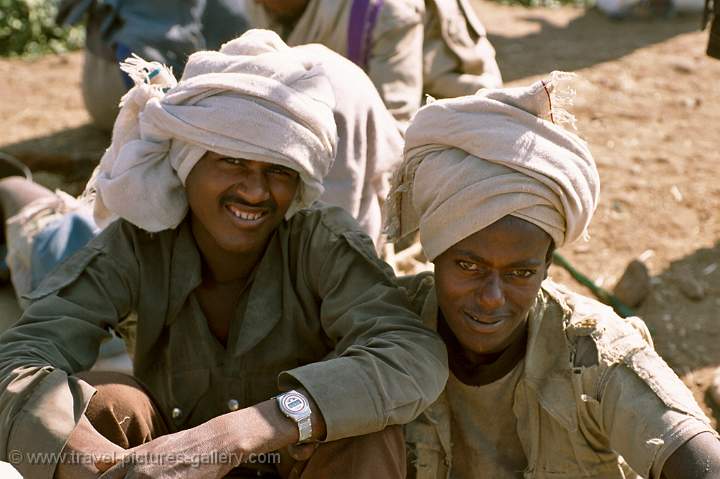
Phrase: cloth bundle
(254, 99)
(472, 160)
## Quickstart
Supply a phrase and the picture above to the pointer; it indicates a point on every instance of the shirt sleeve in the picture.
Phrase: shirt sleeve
(640, 426)
(59, 334)
(386, 367)
(396, 56)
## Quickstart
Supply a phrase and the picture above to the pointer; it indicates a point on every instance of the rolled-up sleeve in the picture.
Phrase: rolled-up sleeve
(648, 420)
(58, 335)
(386, 367)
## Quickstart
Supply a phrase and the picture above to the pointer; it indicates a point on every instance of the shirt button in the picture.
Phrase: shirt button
(233, 405)
(176, 413)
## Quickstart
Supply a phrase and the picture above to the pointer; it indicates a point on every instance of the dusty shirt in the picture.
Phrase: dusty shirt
(391, 43)
(322, 312)
(593, 400)
(458, 58)
(485, 442)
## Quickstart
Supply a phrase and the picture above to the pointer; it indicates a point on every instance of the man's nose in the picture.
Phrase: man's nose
(490, 295)
(253, 187)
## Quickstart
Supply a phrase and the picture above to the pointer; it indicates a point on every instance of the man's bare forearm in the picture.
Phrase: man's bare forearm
(698, 458)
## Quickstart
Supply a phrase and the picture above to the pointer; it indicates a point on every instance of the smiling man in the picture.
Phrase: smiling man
(254, 322)
(544, 383)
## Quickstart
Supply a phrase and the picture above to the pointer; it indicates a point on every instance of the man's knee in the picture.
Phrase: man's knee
(121, 409)
(380, 454)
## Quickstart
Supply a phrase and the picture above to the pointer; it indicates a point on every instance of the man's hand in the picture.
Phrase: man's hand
(215, 447)
(193, 454)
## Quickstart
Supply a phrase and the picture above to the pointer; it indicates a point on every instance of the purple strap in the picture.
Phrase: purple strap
(363, 17)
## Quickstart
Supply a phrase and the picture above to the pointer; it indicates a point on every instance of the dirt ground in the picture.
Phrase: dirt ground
(648, 102)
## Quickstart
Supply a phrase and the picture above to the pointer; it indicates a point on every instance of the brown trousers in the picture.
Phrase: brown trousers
(125, 414)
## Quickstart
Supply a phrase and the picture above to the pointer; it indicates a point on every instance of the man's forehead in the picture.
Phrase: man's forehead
(510, 241)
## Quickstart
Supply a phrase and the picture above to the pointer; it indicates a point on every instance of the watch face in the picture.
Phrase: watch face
(294, 403)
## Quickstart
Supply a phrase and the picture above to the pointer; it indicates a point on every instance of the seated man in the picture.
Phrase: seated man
(544, 383)
(46, 227)
(405, 46)
(227, 290)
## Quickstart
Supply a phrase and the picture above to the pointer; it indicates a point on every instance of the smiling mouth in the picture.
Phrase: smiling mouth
(485, 320)
(245, 215)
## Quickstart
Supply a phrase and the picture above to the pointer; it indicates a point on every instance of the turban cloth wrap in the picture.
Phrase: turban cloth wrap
(253, 99)
(470, 161)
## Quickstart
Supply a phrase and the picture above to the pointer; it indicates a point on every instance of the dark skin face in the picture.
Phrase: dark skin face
(236, 205)
(284, 10)
(487, 283)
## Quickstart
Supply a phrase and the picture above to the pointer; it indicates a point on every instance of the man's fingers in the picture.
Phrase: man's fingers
(302, 452)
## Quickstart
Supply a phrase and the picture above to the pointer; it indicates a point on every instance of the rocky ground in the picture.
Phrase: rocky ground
(648, 102)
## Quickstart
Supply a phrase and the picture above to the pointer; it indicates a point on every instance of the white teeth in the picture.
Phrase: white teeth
(245, 216)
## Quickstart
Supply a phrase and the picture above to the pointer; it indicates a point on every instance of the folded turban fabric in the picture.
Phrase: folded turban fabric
(470, 161)
(254, 99)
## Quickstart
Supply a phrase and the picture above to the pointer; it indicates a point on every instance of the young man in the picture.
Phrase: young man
(544, 383)
(227, 290)
(46, 227)
(407, 47)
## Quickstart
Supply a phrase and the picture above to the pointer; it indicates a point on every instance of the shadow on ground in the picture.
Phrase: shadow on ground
(683, 311)
(72, 153)
(587, 40)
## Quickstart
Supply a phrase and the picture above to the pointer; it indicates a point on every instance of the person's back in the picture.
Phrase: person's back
(369, 143)
(406, 47)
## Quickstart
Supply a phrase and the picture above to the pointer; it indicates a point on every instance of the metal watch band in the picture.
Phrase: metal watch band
(305, 429)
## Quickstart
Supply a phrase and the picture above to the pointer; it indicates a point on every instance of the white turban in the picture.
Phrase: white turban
(254, 99)
(472, 160)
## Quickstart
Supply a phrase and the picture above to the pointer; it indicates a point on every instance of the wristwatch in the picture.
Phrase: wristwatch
(297, 407)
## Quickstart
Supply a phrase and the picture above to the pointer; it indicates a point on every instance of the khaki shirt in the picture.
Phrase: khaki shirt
(436, 46)
(594, 399)
(458, 58)
(322, 312)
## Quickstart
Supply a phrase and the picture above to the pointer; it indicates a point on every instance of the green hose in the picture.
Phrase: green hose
(603, 295)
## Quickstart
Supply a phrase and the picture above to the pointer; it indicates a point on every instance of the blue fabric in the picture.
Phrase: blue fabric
(167, 31)
(122, 52)
(57, 241)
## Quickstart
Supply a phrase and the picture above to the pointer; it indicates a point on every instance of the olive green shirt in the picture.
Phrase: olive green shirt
(593, 399)
(322, 312)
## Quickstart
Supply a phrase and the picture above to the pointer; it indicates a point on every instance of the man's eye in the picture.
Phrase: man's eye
(522, 273)
(283, 171)
(467, 265)
(233, 161)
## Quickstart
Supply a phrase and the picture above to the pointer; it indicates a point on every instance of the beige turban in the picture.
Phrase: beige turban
(254, 99)
(472, 160)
